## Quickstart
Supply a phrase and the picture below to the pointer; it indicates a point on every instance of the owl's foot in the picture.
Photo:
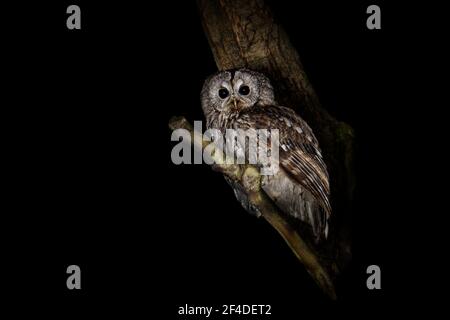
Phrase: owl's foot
(251, 179)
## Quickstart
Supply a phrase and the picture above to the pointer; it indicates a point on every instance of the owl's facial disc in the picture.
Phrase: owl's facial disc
(235, 96)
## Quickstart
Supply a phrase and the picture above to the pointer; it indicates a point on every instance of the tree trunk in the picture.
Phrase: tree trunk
(243, 33)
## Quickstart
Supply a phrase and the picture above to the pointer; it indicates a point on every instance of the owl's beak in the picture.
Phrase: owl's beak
(233, 102)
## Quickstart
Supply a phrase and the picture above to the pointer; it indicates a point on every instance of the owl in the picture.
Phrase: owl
(244, 99)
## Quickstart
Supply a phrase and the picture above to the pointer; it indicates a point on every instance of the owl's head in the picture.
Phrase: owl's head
(235, 90)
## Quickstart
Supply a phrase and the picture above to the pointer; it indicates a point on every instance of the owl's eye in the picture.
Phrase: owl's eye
(223, 93)
(244, 90)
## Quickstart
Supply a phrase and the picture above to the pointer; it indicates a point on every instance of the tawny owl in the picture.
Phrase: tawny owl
(244, 99)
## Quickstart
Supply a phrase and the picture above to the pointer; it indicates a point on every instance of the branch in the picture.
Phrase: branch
(248, 176)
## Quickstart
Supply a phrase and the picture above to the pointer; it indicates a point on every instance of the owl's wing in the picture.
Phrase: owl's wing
(300, 155)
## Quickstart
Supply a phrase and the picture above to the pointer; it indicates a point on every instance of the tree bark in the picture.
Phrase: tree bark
(244, 33)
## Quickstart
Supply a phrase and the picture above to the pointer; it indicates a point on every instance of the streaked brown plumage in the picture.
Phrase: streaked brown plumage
(301, 188)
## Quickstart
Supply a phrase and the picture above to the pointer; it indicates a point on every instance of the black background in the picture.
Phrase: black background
(92, 183)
